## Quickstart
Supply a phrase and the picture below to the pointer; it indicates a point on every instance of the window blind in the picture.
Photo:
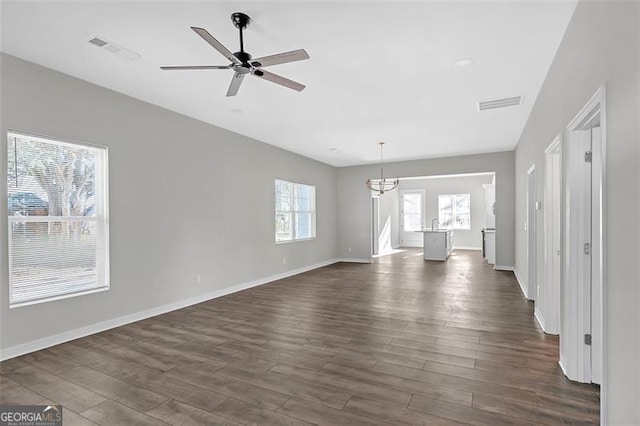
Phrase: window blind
(57, 219)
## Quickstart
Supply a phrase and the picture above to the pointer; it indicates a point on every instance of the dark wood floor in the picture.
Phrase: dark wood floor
(400, 342)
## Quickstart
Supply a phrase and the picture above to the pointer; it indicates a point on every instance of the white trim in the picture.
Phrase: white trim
(296, 240)
(604, 398)
(447, 176)
(555, 144)
(550, 302)
(532, 230)
(77, 333)
(353, 260)
(578, 354)
(100, 217)
(562, 367)
(522, 287)
(505, 268)
(55, 139)
(538, 316)
(59, 297)
(587, 111)
(467, 248)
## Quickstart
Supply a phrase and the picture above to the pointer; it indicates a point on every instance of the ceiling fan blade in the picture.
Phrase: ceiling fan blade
(216, 44)
(280, 58)
(275, 78)
(236, 81)
(196, 67)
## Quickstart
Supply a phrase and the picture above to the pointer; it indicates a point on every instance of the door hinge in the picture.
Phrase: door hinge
(587, 339)
(588, 156)
(587, 248)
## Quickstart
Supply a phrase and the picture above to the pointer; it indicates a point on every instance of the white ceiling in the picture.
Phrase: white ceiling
(378, 70)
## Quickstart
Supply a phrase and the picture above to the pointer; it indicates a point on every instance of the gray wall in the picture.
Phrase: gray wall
(471, 238)
(601, 46)
(354, 219)
(186, 198)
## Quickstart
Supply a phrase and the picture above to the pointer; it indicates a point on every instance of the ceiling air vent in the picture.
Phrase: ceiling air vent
(114, 48)
(98, 42)
(499, 103)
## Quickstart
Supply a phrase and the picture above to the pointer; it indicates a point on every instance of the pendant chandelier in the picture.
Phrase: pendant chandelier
(382, 185)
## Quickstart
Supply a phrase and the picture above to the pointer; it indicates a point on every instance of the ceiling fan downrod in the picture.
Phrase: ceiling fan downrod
(241, 22)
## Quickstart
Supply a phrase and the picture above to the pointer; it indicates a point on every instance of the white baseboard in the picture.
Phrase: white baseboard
(538, 316)
(564, 370)
(77, 333)
(353, 260)
(467, 248)
(504, 268)
(522, 286)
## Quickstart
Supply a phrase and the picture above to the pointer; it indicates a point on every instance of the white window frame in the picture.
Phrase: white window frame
(453, 210)
(101, 215)
(292, 212)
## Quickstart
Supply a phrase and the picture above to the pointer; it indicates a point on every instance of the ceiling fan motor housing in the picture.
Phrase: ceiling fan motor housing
(243, 57)
(240, 20)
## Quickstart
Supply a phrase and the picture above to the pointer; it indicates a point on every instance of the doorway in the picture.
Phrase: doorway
(548, 303)
(532, 204)
(412, 217)
(582, 336)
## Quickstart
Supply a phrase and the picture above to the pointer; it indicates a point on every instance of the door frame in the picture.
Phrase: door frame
(552, 215)
(532, 255)
(579, 352)
(423, 207)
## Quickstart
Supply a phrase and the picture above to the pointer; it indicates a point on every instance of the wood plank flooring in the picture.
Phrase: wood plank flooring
(398, 342)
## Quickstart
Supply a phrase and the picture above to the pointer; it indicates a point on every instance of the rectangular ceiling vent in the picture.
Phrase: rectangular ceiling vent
(114, 48)
(499, 103)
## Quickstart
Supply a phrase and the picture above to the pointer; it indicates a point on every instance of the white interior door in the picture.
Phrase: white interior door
(575, 352)
(532, 287)
(412, 217)
(549, 299)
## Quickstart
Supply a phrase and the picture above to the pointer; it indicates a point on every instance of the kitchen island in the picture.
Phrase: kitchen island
(438, 243)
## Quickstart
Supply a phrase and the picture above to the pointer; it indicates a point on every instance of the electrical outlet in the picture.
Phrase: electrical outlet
(284, 260)
(197, 280)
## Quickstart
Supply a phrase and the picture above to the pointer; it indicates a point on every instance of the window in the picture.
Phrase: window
(454, 211)
(295, 211)
(57, 216)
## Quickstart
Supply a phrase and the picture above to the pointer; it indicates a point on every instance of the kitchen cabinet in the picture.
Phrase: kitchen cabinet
(438, 244)
(490, 205)
(490, 245)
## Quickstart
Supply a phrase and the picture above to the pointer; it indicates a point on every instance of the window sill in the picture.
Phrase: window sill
(60, 297)
(295, 241)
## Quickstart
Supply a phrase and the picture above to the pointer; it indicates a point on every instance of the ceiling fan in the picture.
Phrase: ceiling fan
(242, 62)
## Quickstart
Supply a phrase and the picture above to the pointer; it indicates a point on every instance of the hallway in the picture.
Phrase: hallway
(400, 341)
